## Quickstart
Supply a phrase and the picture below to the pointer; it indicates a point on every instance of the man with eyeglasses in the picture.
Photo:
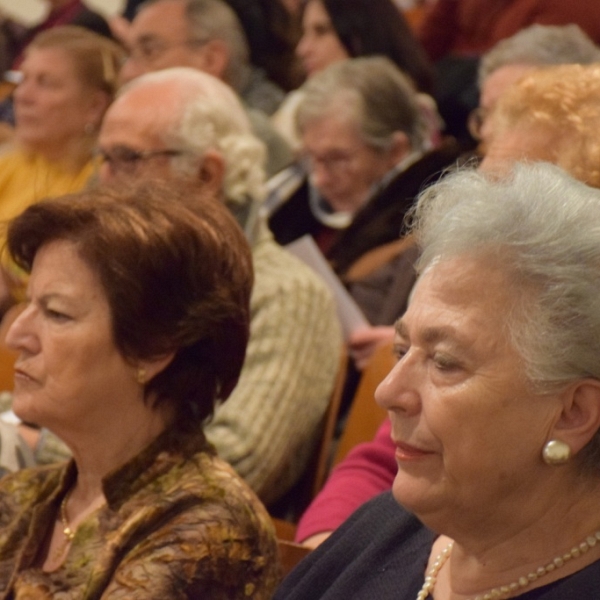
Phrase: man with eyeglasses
(181, 123)
(206, 35)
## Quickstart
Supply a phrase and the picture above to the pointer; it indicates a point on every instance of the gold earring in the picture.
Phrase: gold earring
(140, 375)
(556, 452)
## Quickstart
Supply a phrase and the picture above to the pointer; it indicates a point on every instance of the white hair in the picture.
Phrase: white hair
(540, 45)
(371, 91)
(545, 227)
(208, 115)
(542, 228)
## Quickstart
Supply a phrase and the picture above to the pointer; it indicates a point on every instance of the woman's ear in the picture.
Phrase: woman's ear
(580, 418)
(215, 57)
(146, 370)
(400, 148)
(98, 103)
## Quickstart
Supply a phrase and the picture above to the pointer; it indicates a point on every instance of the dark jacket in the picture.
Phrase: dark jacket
(382, 552)
(380, 221)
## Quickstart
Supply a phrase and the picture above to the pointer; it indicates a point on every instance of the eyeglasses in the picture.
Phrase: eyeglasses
(150, 50)
(334, 162)
(126, 160)
(475, 121)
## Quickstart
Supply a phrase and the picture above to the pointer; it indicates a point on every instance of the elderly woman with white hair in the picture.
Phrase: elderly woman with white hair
(365, 160)
(494, 403)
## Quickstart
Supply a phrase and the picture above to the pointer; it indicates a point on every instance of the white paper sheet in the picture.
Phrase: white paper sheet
(350, 315)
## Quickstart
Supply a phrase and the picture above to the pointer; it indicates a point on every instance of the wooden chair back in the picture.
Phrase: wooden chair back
(325, 447)
(290, 554)
(7, 356)
(365, 415)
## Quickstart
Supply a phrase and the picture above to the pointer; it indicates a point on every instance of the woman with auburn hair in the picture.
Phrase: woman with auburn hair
(136, 326)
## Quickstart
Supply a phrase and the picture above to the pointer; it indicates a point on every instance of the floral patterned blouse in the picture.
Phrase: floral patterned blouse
(178, 523)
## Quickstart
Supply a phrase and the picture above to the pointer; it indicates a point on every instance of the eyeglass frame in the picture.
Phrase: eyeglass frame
(336, 163)
(129, 161)
(158, 48)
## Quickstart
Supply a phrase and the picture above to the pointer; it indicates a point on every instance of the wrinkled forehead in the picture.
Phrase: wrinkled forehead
(499, 81)
(160, 21)
(140, 119)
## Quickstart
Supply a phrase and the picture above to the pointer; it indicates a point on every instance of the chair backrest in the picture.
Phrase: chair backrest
(376, 258)
(324, 449)
(290, 554)
(284, 530)
(7, 356)
(365, 415)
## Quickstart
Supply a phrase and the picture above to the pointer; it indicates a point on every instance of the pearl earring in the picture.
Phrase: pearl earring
(556, 452)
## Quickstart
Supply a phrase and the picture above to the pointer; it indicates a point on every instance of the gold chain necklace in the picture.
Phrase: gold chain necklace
(506, 591)
(67, 531)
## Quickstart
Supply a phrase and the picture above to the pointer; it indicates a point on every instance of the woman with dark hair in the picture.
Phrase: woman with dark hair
(363, 28)
(335, 30)
(136, 325)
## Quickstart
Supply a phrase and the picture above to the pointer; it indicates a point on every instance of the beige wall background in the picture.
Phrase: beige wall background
(33, 11)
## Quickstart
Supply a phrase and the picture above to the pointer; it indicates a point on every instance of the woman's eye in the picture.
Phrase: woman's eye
(399, 351)
(321, 30)
(445, 363)
(56, 315)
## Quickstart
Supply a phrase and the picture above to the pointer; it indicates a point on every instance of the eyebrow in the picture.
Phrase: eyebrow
(431, 335)
(147, 37)
(46, 298)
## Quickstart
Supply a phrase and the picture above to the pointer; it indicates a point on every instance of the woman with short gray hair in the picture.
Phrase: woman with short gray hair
(363, 139)
(494, 404)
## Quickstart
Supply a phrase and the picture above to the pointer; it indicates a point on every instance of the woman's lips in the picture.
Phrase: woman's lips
(406, 452)
(23, 375)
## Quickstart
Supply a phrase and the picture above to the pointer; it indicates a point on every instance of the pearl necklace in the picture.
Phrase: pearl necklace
(509, 590)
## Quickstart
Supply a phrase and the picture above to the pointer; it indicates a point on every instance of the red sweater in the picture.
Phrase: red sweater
(368, 470)
(471, 27)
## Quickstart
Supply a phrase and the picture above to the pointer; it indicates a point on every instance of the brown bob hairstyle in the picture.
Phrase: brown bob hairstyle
(177, 273)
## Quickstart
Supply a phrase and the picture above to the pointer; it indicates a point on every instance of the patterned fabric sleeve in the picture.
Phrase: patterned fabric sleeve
(200, 553)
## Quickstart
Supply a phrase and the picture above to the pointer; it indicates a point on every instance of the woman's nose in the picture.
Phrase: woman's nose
(20, 335)
(399, 391)
(302, 46)
(23, 93)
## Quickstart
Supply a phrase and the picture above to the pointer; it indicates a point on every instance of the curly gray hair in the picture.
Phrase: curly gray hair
(210, 116)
